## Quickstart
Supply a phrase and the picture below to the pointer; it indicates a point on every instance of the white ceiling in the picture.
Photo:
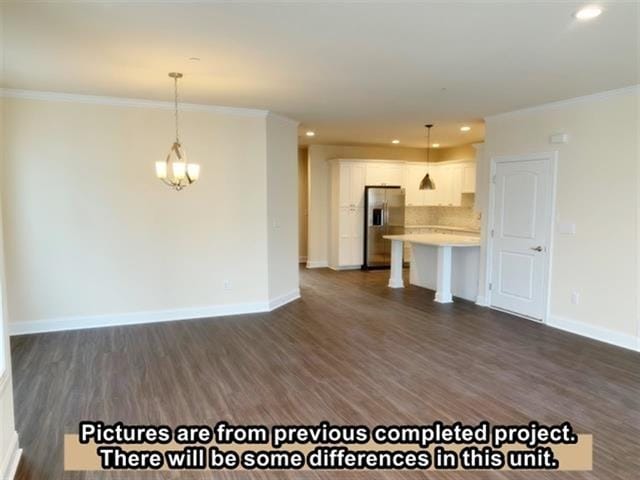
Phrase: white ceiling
(353, 72)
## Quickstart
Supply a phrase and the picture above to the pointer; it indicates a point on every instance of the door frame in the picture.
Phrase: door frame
(552, 157)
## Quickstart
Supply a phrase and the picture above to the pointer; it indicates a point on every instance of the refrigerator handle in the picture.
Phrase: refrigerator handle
(385, 211)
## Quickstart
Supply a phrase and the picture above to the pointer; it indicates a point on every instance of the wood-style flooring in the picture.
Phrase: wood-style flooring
(350, 351)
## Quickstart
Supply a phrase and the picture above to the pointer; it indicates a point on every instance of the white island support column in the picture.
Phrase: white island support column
(395, 279)
(443, 291)
(434, 265)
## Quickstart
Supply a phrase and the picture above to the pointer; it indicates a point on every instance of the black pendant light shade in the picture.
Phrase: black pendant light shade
(427, 183)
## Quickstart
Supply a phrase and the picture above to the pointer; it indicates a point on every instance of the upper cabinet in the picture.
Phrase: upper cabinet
(352, 181)
(469, 178)
(391, 174)
(450, 179)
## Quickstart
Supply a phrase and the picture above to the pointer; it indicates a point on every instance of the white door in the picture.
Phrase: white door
(522, 209)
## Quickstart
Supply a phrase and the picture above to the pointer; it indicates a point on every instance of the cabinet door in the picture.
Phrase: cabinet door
(356, 185)
(344, 234)
(394, 175)
(414, 197)
(345, 185)
(385, 174)
(469, 178)
(357, 236)
(456, 174)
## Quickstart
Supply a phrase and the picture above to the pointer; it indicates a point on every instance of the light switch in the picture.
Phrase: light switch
(559, 138)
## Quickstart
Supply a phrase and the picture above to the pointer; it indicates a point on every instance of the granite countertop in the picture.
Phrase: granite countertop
(438, 239)
(447, 227)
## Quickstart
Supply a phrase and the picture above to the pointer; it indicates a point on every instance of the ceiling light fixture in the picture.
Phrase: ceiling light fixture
(465, 128)
(395, 142)
(426, 183)
(435, 145)
(311, 134)
(175, 171)
(587, 13)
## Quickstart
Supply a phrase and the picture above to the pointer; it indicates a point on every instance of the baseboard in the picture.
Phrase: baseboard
(594, 332)
(317, 264)
(302, 259)
(281, 300)
(481, 301)
(11, 458)
(137, 318)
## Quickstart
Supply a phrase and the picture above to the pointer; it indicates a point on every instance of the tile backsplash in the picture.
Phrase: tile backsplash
(463, 216)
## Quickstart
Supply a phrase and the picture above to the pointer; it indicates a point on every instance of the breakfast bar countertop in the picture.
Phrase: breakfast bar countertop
(438, 239)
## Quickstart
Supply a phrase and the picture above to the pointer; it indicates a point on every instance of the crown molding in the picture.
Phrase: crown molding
(128, 102)
(631, 89)
(277, 116)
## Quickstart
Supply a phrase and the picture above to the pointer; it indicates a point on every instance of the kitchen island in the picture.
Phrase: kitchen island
(446, 263)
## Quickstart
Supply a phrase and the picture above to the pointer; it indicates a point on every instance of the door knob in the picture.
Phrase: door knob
(539, 248)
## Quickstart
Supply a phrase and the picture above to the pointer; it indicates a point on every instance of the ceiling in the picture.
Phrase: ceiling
(352, 72)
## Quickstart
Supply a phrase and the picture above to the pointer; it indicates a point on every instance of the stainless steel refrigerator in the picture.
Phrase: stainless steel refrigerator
(384, 215)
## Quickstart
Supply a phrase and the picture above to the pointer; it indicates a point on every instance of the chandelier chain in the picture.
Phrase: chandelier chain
(175, 83)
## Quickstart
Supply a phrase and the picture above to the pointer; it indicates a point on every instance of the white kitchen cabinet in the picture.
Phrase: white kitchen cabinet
(414, 197)
(469, 178)
(347, 214)
(351, 184)
(385, 174)
(351, 221)
(448, 182)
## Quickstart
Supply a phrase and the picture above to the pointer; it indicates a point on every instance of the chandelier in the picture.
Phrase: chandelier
(175, 171)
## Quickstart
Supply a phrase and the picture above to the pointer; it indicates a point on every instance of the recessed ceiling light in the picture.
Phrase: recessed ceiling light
(587, 13)
(395, 142)
(466, 128)
(310, 134)
(435, 145)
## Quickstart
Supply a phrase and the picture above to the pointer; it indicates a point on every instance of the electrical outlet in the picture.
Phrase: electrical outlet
(227, 284)
(575, 298)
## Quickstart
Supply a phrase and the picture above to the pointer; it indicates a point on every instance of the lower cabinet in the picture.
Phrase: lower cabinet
(350, 237)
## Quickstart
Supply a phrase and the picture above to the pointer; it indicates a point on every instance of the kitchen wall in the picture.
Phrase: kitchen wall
(598, 191)
(92, 237)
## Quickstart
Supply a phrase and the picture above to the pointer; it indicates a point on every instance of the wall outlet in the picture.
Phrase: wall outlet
(227, 284)
(575, 298)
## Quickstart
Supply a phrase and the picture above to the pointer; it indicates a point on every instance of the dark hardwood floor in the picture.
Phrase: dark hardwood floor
(350, 351)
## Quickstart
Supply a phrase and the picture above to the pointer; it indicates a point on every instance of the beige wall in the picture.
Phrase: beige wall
(282, 207)
(303, 192)
(462, 152)
(8, 435)
(319, 187)
(90, 231)
(597, 189)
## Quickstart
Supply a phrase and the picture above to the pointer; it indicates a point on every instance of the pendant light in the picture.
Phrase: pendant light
(175, 171)
(427, 183)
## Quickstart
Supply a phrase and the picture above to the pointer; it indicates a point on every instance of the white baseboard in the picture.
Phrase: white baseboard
(317, 264)
(596, 333)
(98, 321)
(481, 301)
(11, 458)
(281, 300)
